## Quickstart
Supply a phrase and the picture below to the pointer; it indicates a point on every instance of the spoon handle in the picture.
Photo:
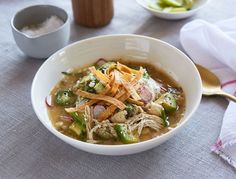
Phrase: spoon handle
(227, 95)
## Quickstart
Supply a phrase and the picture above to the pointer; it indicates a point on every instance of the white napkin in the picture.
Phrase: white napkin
(214, 46)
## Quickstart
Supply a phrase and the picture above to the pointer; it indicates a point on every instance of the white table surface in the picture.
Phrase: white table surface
(28, 150)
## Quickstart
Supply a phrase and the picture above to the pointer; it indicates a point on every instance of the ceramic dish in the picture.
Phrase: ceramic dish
(44, 45)
(198, 4)
(132, 47)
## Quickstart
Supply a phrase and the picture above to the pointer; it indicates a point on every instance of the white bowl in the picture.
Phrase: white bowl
(44, 45)
(132, 47)
(198, 4)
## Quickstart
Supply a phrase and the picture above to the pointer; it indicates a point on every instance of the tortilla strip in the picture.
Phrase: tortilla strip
(139, 103)
(107, 89)
(137, 77)
(115, 83)
(107, 113)
(110, 68)
(99, 75)
(114, 89)
(81, 107)
(127, 76)
(130, 88)
(89, 103)
(111, 109)
(124, 68)
(106, 98)
(117, 77)
(121, 93)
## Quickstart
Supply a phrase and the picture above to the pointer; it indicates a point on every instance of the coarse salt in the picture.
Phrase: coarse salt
(49, 25)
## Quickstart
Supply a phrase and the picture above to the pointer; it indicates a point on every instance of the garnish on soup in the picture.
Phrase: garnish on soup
(171, 5)
(113, 103)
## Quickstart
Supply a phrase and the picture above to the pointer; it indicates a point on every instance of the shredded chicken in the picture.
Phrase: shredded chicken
(105, 127)
(143, 120)
(89, 121)
(119, 117)
(154, 108)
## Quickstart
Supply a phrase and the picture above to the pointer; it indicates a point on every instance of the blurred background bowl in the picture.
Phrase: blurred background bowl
(198, 4)
(44, 45)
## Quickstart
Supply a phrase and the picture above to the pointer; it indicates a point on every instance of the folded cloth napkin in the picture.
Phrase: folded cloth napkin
(214, 46)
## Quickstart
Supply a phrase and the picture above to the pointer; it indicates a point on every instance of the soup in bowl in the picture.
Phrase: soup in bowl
(116, 95)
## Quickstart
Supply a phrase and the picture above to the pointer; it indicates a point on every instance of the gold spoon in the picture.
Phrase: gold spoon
(211, 84)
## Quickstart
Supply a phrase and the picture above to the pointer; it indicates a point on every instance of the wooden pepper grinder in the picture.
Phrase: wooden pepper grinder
(93, 13)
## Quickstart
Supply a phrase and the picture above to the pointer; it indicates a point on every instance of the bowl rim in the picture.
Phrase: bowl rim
(172, 13)
(40, 6)
(70, 140)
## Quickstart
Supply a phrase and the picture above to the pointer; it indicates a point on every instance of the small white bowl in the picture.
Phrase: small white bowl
(44, 45)
(198, 4)
(132, 47)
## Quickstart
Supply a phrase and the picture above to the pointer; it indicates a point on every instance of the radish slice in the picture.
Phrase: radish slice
(97, 110)
(66, 118)
(48, 101)
(163, 89)
(145, 94)
(101, 61)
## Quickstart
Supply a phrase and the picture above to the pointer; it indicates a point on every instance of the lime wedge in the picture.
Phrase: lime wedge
(174, 3)
(178, 9)
(155, 6)
(161, 4)
(188, 4)
(167, 9)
